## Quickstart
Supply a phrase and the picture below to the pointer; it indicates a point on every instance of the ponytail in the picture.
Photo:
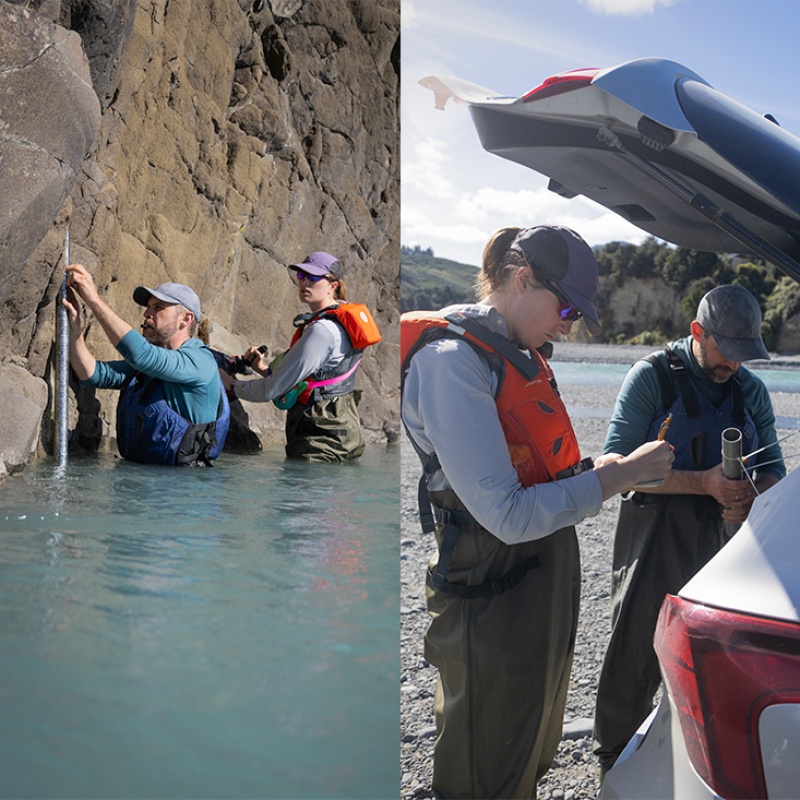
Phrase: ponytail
(340, 292)
(499, 261)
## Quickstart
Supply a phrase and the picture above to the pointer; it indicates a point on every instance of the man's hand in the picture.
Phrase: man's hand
(724, 490)
(739, 510)
(82, 283)
(70, 302)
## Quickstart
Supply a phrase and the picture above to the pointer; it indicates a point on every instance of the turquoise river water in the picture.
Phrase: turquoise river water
(201, 633)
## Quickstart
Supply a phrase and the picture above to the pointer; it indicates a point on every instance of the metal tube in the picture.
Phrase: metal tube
(732, 453)
(62, 377)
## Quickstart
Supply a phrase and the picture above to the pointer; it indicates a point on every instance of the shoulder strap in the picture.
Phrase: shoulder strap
(684, 380)
(528, 367)
(738, 401)
(668, 396)
(496, 364)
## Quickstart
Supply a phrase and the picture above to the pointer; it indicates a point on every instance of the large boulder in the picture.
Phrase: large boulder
(49, 117)
(23, 400)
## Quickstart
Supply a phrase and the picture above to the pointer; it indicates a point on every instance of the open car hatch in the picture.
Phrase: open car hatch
(655, 143)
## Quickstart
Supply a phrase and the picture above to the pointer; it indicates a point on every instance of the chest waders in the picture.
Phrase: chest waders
(323, 423)
(149, 431)
(503, 617)
(661, 541)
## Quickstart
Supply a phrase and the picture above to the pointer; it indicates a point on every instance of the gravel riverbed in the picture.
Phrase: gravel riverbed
(574, 773)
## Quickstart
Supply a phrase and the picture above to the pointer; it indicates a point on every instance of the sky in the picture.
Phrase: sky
(455, 194)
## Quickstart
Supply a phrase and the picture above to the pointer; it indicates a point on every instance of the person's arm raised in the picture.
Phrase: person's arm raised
(79, 279)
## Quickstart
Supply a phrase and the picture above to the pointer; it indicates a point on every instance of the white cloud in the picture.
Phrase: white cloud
(420, 227)
(625, 6)
(425, 170)
(409, 14)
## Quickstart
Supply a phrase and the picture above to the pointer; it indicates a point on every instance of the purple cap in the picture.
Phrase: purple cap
(566, 259)
(319, 263)
(733, 317)
(170, 293)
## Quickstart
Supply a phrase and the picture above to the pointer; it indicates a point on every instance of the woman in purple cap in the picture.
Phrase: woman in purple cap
(506, 484)
(314, 380)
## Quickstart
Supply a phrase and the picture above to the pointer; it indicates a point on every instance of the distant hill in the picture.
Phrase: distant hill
(648, 293)
(430, 283)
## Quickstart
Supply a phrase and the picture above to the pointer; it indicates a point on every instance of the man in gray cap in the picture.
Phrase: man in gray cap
(172, 408)
(666, 533)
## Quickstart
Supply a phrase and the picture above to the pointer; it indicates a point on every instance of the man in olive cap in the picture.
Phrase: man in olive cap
(172, 408)
(666, 533)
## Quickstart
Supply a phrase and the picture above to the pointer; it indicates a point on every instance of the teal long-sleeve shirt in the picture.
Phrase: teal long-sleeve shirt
(190, 374)
(639, 403)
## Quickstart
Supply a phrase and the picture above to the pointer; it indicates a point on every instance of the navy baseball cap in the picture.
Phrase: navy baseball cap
(733, 317)
(565, 258)
(319, 263)
(170, 293)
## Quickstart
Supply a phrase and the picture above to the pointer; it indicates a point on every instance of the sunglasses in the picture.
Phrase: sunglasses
(307, 276)
(566, 310)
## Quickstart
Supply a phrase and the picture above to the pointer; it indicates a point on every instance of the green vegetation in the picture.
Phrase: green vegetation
(431, 283)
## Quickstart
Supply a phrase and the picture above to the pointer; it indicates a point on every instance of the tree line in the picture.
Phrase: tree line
(691, 272)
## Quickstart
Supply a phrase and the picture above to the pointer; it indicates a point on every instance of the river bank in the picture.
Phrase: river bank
(574, 772)
(628, 353)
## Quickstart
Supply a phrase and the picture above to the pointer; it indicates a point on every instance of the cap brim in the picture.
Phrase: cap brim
(585, 306)
(142, 295)
(741, 349)
(311, 269)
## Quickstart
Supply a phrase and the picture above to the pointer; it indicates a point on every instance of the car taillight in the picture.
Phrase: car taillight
(723, 669)
(563, 82)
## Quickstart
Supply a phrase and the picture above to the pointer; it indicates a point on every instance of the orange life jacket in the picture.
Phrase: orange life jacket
(362, 330)
(539, 434)
(354, 318)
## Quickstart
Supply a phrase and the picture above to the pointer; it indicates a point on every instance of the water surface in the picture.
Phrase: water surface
(228, 632)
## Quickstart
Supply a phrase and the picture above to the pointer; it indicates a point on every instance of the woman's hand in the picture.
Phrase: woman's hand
(651, 461)
(256, 361)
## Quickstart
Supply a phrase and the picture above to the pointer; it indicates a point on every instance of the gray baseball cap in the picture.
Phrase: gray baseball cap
(170, 293)
(569, 263)
(733, 317)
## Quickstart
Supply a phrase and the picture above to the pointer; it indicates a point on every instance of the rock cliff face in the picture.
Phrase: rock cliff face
(637, 306)
(234, 138)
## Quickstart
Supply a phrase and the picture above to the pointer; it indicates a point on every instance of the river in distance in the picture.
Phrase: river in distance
(599, 374)
(207, 633)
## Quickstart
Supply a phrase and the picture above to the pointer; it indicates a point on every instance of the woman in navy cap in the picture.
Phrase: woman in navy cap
(314, 380)
(506, 484)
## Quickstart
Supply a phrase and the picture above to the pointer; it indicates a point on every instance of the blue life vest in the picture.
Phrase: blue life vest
(697, 425)
(148, 430)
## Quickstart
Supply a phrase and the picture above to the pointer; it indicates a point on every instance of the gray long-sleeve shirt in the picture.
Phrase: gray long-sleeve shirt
(323, 345)
(449, 409)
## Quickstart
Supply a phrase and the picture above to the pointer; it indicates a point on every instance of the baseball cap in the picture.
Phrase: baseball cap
(320, 263)
(170, 293)
(565, 258)
(733, 317)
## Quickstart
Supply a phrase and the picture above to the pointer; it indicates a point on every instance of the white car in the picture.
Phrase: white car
(729, 649)
(652, 141)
